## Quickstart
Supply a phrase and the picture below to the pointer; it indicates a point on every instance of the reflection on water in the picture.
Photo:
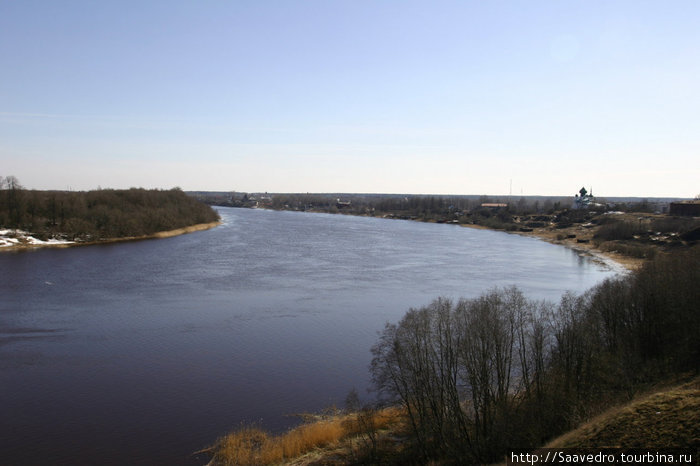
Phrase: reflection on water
(141, 353)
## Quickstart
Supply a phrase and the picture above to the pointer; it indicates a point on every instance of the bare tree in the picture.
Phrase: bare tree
(453, 370)
(14, 200)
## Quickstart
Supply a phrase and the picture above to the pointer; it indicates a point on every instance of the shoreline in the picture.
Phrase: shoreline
(157, 235)
(627, 263)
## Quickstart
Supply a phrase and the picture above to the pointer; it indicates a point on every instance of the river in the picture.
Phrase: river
(144, 352)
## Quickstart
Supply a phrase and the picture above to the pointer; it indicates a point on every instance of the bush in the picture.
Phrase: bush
(674, 224)
(618, 230)
(639, 251)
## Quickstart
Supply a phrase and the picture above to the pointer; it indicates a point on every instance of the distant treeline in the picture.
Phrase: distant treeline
(484, 376)
(492, 211)
(100, 214)
(424, 207)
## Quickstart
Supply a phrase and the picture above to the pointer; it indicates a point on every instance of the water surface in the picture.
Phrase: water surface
(144, 352)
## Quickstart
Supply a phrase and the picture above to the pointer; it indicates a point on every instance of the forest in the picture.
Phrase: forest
(97, 215)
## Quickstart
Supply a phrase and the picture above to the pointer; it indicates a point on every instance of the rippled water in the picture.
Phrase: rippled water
(144, 352)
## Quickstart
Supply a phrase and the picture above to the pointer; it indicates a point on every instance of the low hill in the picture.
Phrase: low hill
(667, 418)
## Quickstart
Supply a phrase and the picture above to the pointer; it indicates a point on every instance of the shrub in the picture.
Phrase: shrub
(639, 251)
(618, 230)
(674, 224)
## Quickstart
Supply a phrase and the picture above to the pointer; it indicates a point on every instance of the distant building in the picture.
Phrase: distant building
(689, 208)
(343, 204)
(494, 205)
(583, 199)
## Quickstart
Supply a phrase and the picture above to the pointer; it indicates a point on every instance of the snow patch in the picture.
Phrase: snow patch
(9, 238)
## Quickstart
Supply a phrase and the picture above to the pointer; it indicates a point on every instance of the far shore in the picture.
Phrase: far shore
(22, 246)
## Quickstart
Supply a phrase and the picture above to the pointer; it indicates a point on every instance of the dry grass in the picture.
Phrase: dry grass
(253, 446)
(358, 423)
(668, 418)
(185, 230)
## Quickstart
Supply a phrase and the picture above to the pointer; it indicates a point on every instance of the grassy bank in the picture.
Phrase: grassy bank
(340, 438)
(667, 417)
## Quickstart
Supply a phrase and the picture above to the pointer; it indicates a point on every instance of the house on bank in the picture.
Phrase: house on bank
(686, 208)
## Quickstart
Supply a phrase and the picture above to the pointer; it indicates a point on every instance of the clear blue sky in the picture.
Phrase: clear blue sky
(449, 97)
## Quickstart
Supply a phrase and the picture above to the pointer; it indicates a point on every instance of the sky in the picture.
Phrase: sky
(431, 97)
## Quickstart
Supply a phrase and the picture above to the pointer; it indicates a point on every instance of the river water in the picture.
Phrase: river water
(145, 352)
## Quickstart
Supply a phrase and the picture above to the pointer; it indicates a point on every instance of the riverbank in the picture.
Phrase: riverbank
(18, 240)
(337, 438)
(589, 249)
(570, 239)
